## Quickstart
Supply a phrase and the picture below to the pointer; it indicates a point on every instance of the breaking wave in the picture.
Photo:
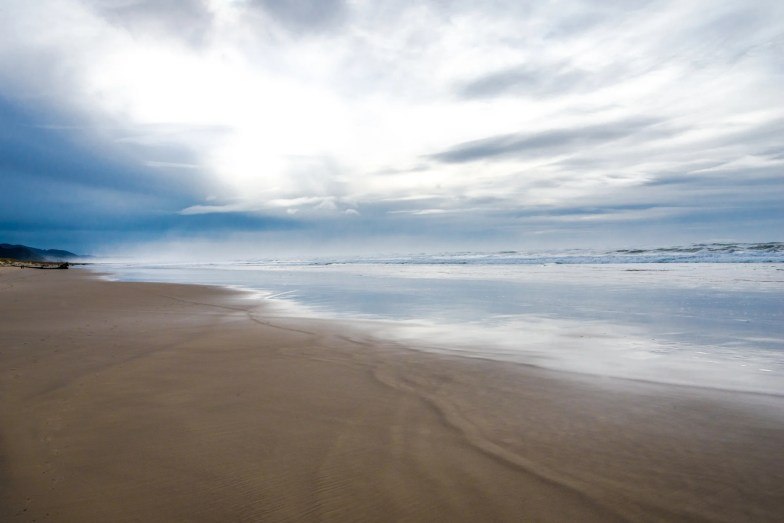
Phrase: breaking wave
(770, 252)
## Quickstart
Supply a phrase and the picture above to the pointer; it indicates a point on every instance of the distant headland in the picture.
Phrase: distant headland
(31, 257)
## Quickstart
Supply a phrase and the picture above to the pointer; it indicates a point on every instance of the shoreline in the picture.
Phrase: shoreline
(129, 401)
(606, 346)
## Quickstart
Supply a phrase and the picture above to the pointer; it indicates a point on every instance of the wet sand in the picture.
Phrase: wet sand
(157, 402)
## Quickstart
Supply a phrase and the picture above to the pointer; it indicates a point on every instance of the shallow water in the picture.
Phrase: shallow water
(713, 325)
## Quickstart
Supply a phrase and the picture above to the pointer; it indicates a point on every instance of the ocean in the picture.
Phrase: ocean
(706, 315)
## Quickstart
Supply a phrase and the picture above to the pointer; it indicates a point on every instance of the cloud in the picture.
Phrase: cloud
(524, 80)
(550, 141)
(304, 16)
(29, 149)
(173, 165)
(451, 119)
(186, 20)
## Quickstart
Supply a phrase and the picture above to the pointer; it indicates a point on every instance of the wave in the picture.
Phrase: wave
(769, 252)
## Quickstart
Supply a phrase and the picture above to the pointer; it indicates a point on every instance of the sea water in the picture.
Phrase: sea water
(705, 315)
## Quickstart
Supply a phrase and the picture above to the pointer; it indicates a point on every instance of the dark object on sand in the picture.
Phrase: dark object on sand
(44, 265)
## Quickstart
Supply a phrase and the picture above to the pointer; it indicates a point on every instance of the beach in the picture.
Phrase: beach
(162, 402)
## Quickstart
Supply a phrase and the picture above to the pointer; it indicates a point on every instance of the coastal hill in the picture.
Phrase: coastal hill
(25, 253)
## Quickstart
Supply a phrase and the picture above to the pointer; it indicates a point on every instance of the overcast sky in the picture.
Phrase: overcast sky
(315, 125)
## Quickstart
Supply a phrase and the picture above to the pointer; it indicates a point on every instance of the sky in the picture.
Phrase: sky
(255, 127)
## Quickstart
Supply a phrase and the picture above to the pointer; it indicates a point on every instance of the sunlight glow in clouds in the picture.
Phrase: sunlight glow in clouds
(511, 110)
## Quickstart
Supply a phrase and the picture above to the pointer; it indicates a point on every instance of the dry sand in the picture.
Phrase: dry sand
(153, 402)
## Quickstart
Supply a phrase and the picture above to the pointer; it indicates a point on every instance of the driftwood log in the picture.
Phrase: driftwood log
(63, 265)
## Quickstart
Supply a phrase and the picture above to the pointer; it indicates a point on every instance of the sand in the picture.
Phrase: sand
(155, 402)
